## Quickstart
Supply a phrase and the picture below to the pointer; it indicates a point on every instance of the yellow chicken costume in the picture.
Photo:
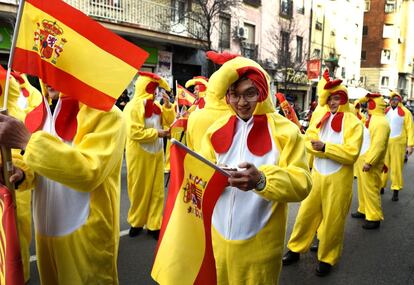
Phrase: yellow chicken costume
(73, 161)
(326, 208)
(401, 136)
(23, 97)
(374, 147)
(144, 152)
(249, 227)
(215, 107)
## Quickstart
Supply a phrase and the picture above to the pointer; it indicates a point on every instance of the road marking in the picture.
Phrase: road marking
(33, 258)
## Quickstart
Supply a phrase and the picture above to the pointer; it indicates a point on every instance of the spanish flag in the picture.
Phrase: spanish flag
(11, 267)
(185, 97)
(74, 54)
(184, 253)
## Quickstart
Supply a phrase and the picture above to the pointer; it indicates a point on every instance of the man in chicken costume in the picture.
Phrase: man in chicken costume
(371, 162)
(200, 84)
(72, 159)
(334, 140)
(145, 153)
(401, 140)
(215, 107)
(249, 219)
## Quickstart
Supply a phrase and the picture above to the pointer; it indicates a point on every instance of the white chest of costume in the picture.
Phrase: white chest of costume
(396, 122)
(57, 209)
(239, 215)
(327, 166)
(22, 101)
(153, 122)
(366, 141)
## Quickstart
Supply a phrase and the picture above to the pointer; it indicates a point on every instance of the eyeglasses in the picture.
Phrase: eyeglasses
(250, 95)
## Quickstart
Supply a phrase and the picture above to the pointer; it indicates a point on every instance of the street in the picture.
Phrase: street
(383, 256)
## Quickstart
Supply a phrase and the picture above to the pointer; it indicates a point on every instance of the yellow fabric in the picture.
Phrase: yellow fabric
(93, 164)
(35, 97)
(394, 158)
(287, 181)
(145, 170)
(79, 47)
(325, 209)
(369, 182)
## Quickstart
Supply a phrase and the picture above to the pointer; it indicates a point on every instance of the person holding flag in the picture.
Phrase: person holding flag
(401, 141)
(265, 155)
(76, 197)
(146, 120)
(370, 163)
(334, 139)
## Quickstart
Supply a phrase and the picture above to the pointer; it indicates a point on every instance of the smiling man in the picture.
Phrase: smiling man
(249, 219)
(334, 138)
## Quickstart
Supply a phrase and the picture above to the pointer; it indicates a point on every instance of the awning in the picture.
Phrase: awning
(356, 92)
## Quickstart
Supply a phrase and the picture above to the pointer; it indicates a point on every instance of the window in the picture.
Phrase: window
(385, 56)
(286, 8)
(179, 10)
(365, 30)
(284, 54)
(251, 33)
(300, 6)
(385, 81)
(318, 25)
(364, 55)
(389, 7)
(299, 49)
(255, 3)
(388, 31)
(317, 53)
(224, 24)
(367, 5)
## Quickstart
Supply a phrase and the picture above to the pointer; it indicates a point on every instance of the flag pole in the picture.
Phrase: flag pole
(6, 156)
(199, 157)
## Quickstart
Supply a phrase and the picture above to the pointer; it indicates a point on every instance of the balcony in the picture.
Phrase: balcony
(143, 14)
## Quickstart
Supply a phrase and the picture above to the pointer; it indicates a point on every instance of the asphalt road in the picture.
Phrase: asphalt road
(384, 256)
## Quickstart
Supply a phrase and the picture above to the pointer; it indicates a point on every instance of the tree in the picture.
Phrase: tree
(290, 52)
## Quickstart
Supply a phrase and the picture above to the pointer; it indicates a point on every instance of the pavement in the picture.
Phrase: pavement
(384, 256)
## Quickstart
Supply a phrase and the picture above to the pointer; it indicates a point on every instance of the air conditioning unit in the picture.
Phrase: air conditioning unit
(242, 33)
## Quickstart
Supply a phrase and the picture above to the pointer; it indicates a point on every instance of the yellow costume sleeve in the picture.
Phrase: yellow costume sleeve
(18, 162)
(408, 123)
(379, 131)
(96, 149)
(348, 152)
(135, 123)
(290, 180)
(168, 115)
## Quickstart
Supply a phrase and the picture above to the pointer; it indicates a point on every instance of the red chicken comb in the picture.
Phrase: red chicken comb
(220, 58)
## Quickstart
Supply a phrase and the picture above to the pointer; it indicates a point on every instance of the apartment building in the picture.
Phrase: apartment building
(387, 56)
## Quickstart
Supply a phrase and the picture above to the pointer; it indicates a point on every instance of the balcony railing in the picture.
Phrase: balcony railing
(143, 13)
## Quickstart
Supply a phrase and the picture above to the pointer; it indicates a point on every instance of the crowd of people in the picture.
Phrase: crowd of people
(71, 155)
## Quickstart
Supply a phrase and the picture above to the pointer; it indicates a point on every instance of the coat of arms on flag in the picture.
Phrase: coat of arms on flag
(48, 40)
(185, 252)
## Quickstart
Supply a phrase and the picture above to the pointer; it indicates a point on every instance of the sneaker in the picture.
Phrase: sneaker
(358, 215)
(314, 247)
(370, 225)
(290, 257)
(133, 232)
(382, 191)
(394, 195)
(323, 269)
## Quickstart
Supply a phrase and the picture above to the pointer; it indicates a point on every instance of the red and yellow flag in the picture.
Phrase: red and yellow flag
(11, 267)
(75, 54)
(184, 253)
(185, 97)
(288, 110)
